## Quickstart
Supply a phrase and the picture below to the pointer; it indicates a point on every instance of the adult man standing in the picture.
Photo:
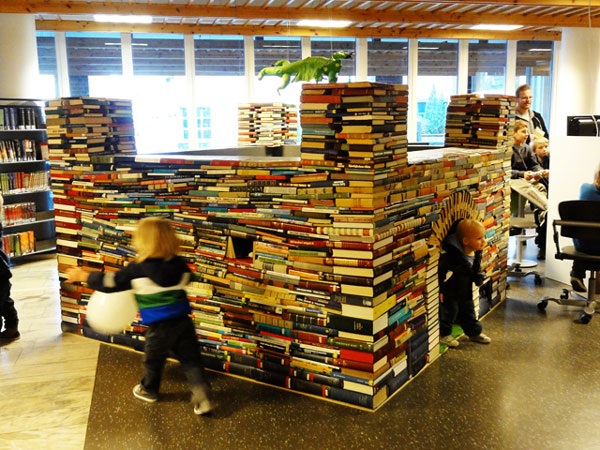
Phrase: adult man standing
(534, 120)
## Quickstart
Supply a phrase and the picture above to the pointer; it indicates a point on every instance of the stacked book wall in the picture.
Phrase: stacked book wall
(268, 124)
(474, 121)
(316, 274)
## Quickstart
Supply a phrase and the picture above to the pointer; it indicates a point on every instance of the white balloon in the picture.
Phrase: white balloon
(111, 313)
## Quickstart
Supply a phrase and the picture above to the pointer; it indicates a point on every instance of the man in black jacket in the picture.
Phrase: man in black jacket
(459, 268)
(535, 121)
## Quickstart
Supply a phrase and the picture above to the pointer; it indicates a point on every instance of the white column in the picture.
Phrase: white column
(249, 68)
(573, 159)
(462, 79)
(62, 64)
(511, 68)
(413, 71)
(362, 59)
(577, 77)
(19, 69)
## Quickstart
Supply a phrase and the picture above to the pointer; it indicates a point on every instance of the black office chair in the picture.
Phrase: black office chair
(579, 219)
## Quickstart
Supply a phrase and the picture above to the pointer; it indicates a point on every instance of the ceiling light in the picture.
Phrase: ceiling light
(324, 23)
(540, 49)
(115, 18)
(498, 27)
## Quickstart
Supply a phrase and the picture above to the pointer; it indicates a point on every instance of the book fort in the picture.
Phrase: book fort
(316, 274)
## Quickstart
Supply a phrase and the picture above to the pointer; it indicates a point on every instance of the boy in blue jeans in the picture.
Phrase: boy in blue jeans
(459, 268)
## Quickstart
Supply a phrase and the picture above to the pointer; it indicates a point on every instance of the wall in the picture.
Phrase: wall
(18, 56)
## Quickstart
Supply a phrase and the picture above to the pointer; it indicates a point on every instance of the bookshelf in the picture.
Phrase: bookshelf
(28, 210)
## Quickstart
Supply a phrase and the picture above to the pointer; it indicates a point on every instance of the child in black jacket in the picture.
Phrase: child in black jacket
(8, 312)
(459, 268)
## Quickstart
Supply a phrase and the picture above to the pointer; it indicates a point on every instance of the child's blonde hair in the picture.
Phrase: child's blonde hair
(539, 142)
(155, 238)
(468, 227)
(520, 124)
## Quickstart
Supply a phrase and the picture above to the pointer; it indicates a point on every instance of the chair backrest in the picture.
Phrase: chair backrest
(580, 211)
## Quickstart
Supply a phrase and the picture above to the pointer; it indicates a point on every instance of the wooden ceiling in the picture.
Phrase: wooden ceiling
(540, 19)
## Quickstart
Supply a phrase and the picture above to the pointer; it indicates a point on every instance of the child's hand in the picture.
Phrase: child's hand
(77, 274)
(479, 278)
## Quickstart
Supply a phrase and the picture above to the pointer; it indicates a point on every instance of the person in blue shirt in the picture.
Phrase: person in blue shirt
(588, 191)
(158, 277)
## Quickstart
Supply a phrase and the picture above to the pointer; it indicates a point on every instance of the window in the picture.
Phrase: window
(95, 66)
(267, 51)
(46, 48)
(220, 85)
(326, 47)
(388, 60)
(159, 92)
(487, 67)
(437, 81)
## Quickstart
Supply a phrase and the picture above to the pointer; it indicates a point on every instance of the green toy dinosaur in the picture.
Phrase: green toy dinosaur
(311, 68)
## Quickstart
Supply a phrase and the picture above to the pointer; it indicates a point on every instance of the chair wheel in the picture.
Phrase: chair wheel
(584, 318)
(538, 281)
(542, 305)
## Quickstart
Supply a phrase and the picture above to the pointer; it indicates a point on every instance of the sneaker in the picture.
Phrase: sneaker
(449, 341)
(10, 333)
(481, 338)
(140, 392)
(202, 405)
(578, 284)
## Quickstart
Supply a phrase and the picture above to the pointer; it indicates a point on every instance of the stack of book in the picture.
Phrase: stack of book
(493, 126)
(76, 127)
(120, 127)
(268, 124)
(475, 121)
(473, 184)
(317, 275)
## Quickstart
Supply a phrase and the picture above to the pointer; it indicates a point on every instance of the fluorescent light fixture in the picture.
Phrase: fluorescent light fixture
(429, 48)
(324, 23)
(498, 27)
(540, 49)
(115, 18)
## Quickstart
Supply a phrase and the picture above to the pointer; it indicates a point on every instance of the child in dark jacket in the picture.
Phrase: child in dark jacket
(157, 277)
(8, 312)
(459, 268)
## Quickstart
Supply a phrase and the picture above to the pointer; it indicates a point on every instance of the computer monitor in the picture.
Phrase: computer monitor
(584, 125)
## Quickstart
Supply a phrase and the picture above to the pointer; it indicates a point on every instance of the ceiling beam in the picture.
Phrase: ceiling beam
(245, 30)
(61, 7)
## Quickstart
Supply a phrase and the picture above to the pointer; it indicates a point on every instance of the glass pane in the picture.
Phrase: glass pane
(437, 81)
(220, 85)
(388, 60)
(94, 60)
(159, 93)
(46, 49)
(487, 67)
(219, 55)
(267, 51)
(534, 67)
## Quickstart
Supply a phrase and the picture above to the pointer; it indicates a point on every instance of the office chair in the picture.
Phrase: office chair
(519, 223)
(579, 219)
